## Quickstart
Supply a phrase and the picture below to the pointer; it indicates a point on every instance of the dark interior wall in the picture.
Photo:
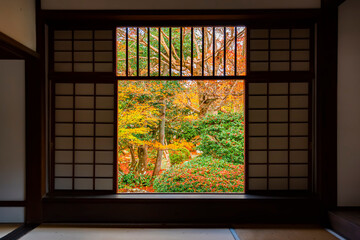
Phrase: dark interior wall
(348, 104)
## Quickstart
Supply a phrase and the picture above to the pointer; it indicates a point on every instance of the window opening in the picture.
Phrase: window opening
(180, 124)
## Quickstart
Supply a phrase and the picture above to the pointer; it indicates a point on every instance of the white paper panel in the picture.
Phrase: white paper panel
(278, 129)
(298, 115)
(257, 129)
(300, 55)
(104, 143)
(62, 45)
(83, 34)
(63, 56)
(104, 115)
(64, 115)
(103, 67)
(84, 143)
(279, 33)
(83, 183)
(62, 67)
(259, 56)
(84, 157)
(299, 170)
(278, 88)
(83, 45)
(104, 170)
(278, 142)
(300, 66)
(104, 130)
(257, 156)
(63, 102)
(278, 115)
(257, 170)
(300, 44)
(64, 88)
(259, 44)
(62, 34)
(103, 56)
(257, 184)
(257, 143)
(259, 66)
(278, 102)
(279, 66)
(279, 55)
(63, 156)
(63, 170)
(257, 88)
(103, 45)
(104, 89)
(83, 56)
(298, 101)
(104, 184)
(84, 102)
(299, 129)
(298, 142)
(104, 157)
(278, 170)
(257, 102)
(299, 88)
(299, 156)
(278, 156)
(63, 129)
(63, 143)
(83, 170)
(259, 33)
(83, 67)
(63, 183)
(84, 89)
(257, 115)
(84, 116)
(279, 44)
(84, 129)
(103, 34)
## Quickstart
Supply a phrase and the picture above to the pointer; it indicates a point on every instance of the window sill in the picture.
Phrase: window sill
(223, 209)
(180, 196)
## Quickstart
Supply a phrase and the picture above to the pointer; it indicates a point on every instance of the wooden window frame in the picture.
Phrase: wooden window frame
(59, 208)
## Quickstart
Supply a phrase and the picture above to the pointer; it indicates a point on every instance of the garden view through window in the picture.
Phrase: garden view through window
(180, 122)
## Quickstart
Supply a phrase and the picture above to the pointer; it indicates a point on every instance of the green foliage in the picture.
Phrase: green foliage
(132, 180)
(179, 156)
(203, 174)
(221, 136)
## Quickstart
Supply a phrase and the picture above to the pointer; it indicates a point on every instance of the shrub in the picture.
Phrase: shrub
(132, 180)
(220, 136)
(203, 174)
(179, 156)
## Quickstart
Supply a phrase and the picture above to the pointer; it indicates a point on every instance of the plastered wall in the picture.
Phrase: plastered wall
(17, 20)
(12, 138)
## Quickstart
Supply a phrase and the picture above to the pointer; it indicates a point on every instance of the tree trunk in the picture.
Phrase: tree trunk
(143, 156)
(161, 139)
(133, 162)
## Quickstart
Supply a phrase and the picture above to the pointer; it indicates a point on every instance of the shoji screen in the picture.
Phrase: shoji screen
(83, 50)
(279, 136)
(286, 49)
(84, 136)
